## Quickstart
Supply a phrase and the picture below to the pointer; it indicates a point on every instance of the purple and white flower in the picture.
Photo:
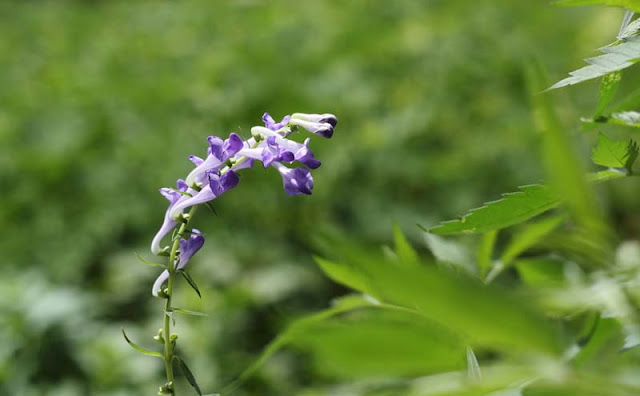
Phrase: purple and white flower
(319, 124)
(188, 247)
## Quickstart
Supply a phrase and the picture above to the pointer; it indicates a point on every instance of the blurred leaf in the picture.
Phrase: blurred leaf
(449, 252)
(614, 154)
(541, 272)
(624, 118)
(602, 336)
(608, 88)
(473, 368)
(188, 374)
(617, 56)
(485, 252)
(406, 253)
(344, 274)
(628, 4)
(512, 209)
(141, 349)
(529, 237)
(190, 280)
(187, 312)
(381, 342)
(340, 305)
(150, 263)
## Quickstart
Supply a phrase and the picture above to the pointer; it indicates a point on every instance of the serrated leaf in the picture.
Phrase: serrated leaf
(608, 88)
(513, 208)
(614, 154)
(188, 375)
(405, 252)
(616, 57)
(141, 349)
(628, 4)
(190, 281)
(187, 312)
(149, 263)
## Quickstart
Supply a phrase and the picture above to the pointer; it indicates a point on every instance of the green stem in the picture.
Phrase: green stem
(171, 267)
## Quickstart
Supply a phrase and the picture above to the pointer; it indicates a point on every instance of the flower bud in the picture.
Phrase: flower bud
(159, 338)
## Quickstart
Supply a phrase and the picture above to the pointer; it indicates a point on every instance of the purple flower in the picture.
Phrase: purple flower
(219, 151)
(168, 224)
(319, 124)
(188, 247)
(296, 180)
(270, 123)
(216, 186)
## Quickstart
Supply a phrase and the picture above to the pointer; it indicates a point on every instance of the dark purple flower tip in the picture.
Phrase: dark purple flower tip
(329, 118)
(197, 161)
(270, 123)
(172, 195)
(296, 181)
(319, 124)
(189, 247)
(220, 184)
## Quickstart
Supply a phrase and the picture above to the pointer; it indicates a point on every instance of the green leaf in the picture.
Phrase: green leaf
(403, 249)
(485, 252)
(541, 272)
(530, 236)
(141, 349)
(628, 4)
(187, 312)
(617, 56)
(149, 263)
(450, 252)
(341, 305)
(190, 280)
(614, 154)
(607, 333)
(381, 342)
(608, 88)
(188, 374)
(473, 368)
(344, 274)
(513, 208)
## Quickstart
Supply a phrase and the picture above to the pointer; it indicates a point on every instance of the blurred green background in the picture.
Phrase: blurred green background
(102, 101)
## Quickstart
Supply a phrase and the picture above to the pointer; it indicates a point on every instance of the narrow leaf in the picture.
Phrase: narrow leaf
(149, 263)
(141, 349)
(190, 280)
(450, 252)
(473, 368)
(344, 274)
(531, 235)
(187, 312)
(485, 252)
(614, 154)
(628, 4)
(608, 88)
(188, 375)
(541, 272)
(403, 249)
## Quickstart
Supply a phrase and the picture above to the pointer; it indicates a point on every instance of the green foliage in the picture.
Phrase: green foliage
(608, 88)
(188, 374)
(628, 4)
(512, 209)
(140, 349)
(614, 154)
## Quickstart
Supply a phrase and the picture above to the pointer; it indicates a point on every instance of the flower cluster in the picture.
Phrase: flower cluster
(217, 172)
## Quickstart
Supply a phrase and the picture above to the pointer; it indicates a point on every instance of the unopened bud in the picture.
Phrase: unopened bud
(159, 338)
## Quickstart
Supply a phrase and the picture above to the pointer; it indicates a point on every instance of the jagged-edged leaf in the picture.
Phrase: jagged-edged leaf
(616, 57)
(149, 263)
(405, 252)
(187, 312)
(141, 349)
(188, 374)
(628, 4)
(513, 208)
(190, 280)
(608, 88)
(614, 153)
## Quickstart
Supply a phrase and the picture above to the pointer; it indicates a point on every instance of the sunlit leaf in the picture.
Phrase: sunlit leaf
(449, 252)
(614, 154)
(628, 4)
(141, 349)
(608, 88)
(529, 237)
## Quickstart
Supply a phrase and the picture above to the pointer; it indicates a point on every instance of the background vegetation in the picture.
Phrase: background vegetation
(101, 103)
